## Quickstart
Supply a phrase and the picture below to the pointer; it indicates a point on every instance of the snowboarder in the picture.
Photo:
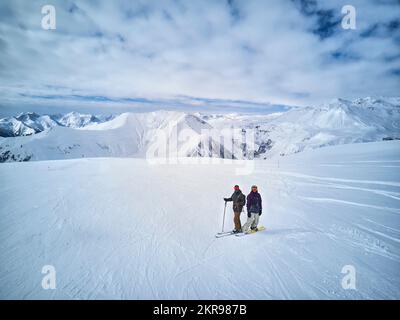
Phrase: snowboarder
(254, 210)
(239, 200)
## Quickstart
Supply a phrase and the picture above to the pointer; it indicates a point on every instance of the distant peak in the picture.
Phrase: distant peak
(339, 101)
(31, 115)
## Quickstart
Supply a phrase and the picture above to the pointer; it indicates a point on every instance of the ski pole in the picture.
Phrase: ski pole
(223, 220)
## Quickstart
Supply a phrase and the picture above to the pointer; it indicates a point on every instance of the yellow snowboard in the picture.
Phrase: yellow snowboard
(260, 228)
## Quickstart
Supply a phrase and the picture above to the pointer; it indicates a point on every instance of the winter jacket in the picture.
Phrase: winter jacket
(239, 200)
(254, 204)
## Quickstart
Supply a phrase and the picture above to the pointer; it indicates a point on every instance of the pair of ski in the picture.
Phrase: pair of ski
(240, 234)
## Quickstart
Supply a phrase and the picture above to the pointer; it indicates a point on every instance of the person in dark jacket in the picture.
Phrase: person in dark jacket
(254, 209)
(239, 200)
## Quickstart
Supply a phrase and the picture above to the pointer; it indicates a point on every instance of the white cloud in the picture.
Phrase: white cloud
(246, 50)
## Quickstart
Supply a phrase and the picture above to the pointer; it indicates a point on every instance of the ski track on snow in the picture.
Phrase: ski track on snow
(144, 242)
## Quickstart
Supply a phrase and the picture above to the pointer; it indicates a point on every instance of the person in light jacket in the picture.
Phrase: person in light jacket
(254, 209)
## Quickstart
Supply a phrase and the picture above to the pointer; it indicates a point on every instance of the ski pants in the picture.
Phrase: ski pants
(251, 222)
(236, 221)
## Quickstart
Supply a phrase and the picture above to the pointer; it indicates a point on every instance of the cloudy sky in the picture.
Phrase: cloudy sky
(197, 52)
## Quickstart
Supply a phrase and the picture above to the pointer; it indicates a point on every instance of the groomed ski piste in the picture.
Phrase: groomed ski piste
(121, 228)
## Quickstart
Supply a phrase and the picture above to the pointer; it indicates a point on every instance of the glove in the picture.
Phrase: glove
(248, 214)
(225, 199)
(260, 213)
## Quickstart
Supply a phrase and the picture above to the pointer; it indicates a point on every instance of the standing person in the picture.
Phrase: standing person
(239, 200)
(254, 209)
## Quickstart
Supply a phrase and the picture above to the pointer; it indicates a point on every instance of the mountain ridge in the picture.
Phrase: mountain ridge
(180, 134)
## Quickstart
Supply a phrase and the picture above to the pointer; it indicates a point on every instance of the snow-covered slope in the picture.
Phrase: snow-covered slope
(338, 122)
(128, 135)
(122, 228)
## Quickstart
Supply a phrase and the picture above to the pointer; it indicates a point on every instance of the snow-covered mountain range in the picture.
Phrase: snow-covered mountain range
(29, 123)
(30, 136)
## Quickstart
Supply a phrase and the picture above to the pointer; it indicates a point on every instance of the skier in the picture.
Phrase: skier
(254, 210)
(239, 200)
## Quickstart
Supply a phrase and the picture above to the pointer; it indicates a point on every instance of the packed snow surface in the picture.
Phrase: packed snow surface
(124, 228)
